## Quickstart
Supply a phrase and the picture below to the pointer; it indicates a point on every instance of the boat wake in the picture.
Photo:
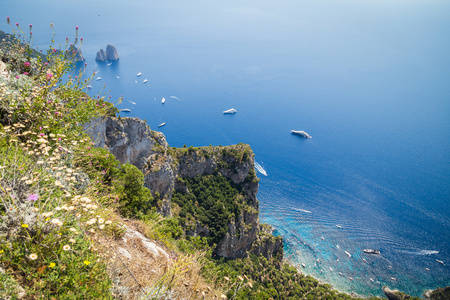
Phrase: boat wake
(302, 210)
(422, 252)
(260, 169)
(132, 102)
(176, 98)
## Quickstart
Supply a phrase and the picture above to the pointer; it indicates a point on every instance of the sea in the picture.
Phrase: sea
(368, 80)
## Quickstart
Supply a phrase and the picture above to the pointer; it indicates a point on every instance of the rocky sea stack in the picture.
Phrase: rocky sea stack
(110, 54)
(101, 55)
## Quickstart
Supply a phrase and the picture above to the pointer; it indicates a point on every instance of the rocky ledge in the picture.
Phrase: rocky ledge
(131, 140)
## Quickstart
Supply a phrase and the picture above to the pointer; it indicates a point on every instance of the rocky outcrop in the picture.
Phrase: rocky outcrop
(74, 53)
(131, 140)
(101, 55)
(438, 294)
(111, 53)
(396, 294)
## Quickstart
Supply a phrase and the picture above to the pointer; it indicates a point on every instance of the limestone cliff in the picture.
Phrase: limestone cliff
(74, 53)
(131, 140)
(111, 53)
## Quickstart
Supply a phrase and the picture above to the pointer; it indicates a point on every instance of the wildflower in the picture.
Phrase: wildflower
(49, 75)
(31, 26)
(17, 76)
(72, 229)
(102, 226)
(17, 24)
(57, 222)
(33, 256)
(241, 278)
(226, 278)
(108, 222)
(25, 73)
(1, 251)
(223, 296)
(66, 247)
(8, 20)
(26, 64)
(47, 214)
(76, 27)
(72, 241)
(92, 230)
(24, 225)
(52, 265)
(250, 285)
(33, 197)
(86, 262)
(100, 221)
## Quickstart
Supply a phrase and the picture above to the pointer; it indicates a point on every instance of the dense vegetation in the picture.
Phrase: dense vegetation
(213, 200)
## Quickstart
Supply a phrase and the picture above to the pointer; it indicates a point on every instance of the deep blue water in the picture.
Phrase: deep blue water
(369, 80)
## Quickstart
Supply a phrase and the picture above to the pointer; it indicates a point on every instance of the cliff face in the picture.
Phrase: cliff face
(111, 53)
(101, 55)
(131, 140)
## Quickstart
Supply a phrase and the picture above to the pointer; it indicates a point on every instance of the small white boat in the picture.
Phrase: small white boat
(162, 124)
(340, 273)
(125, 110)
(163, 100)
(339, 226)
(117, 77)
(371, 251)
(139, 74)
(440, 261)
(145, 80)
(109, 64)
(89, 86)
(260, 169)
(349, 255)
(303, 265)
(322, 238)
(301, 133)
(98, 78)
(230, 111)
(331, 269)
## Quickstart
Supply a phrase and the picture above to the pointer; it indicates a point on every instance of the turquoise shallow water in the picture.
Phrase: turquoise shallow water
(368, 80)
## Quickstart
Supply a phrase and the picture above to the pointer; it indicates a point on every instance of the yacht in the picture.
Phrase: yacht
(371, 251)
(163, 100)
(440, 261)
(339, 226)
(145, 80)
(301, 133)
(139, 74)
(230, 111)
(303, 265)
(162, 124)
(98, 78)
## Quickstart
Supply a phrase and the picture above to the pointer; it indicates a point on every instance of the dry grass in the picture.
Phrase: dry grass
(139, 273)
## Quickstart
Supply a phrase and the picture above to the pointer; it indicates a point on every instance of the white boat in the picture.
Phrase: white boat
(98, 78)
(303, 265)
(163, 100)
(371, 251)
(162, 124)
(301, 133)
(230, 111)
(260, 169)
(340, 273)
(331, 269)
(349, 255)
(145, 80)
(109, 64)
(440, 261)
(139, 74)
(339, 226)
(125, 109)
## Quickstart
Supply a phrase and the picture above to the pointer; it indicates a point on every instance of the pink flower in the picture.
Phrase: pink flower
(76, 27)
(31, 26)
(27, 64)
(33, 197)
(17, 77)
(46, 64)
(81, 39)
(17, 24)
(54, 50)
(25, 73)
(40, 128)
(41, 134)
(49, 76)
(7, 20)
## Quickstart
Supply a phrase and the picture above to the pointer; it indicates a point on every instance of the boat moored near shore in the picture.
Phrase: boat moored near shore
(371, 251)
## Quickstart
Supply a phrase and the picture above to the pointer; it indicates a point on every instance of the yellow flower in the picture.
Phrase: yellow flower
(24, 225)
(52, 265)
(86, 262)
(1, 251)
(33, 256)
